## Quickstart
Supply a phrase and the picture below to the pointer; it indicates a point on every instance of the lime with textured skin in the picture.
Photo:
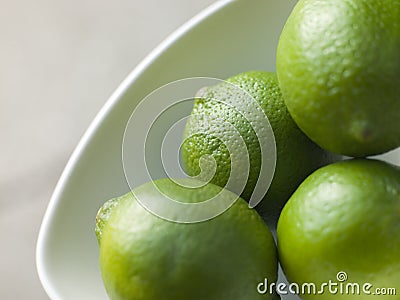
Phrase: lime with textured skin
(344, 217)
(144, 257)
(297, 155)
(338, 66)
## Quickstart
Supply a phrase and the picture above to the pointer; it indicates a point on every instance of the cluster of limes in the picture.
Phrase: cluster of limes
(336, 92)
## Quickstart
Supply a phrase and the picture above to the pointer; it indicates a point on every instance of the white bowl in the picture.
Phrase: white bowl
(227, 38)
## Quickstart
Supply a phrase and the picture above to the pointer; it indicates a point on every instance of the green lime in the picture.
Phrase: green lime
(343, 225)
(338, 66)
(145, 257)
(103, 215)
(297, 155)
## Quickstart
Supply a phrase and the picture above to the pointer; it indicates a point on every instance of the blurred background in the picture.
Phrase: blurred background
(60, 61)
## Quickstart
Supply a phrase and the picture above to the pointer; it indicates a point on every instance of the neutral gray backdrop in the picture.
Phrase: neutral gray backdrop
(59, 62)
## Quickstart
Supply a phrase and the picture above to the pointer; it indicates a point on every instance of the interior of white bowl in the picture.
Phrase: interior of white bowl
(227, 38)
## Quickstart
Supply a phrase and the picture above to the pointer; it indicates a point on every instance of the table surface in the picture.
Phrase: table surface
(60, 61)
